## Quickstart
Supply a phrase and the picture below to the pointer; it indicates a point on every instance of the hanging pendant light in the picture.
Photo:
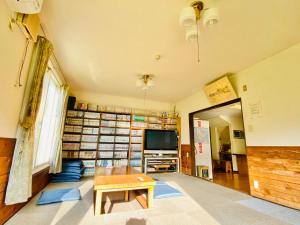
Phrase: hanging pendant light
(145, 81)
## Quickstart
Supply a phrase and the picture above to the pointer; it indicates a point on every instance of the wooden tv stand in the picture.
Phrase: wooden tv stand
(161, 164)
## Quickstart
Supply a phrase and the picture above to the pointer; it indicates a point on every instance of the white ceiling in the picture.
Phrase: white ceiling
(102, 44)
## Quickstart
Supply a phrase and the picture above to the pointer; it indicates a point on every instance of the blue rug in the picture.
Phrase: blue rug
(163, 190)
(54, 196)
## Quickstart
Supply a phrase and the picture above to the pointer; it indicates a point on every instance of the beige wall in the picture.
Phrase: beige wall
(273, 84)
(237, 144)
(12, 46)
(103, 99)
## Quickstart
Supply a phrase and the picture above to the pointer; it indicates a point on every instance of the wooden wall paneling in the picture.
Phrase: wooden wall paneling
(277, 171)
(39, 180)
(186, 160)
(242, 164)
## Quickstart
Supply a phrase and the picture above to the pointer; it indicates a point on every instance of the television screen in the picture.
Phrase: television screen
(160, 140)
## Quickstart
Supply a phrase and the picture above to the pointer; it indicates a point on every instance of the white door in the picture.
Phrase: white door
(202, 145)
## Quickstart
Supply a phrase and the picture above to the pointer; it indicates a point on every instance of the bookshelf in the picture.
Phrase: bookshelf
(109, 138)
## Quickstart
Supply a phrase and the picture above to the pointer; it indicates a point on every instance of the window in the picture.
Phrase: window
(48, 121)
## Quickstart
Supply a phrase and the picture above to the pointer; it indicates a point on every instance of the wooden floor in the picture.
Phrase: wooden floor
(234, 181)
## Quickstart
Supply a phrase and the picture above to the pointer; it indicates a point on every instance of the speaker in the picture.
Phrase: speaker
(71, 102)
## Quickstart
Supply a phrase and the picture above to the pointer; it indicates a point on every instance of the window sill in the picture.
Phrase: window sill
(40, 168)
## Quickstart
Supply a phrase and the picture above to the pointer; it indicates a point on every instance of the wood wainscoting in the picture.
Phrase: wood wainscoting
(276, 172)
(39, 180)
(186, 159)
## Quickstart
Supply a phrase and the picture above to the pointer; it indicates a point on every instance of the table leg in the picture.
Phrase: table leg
(150, 196)
(98, 202)
(126, 196)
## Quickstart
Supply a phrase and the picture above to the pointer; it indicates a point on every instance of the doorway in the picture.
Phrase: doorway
(219, 147)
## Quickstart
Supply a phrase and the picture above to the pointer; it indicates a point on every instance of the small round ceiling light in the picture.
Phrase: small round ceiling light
(210, 17)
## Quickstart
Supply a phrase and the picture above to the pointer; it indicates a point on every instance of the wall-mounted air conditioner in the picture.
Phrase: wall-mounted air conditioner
(25, 6)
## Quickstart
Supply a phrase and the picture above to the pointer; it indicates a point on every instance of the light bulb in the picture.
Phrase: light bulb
(187, 17)
(210, 17)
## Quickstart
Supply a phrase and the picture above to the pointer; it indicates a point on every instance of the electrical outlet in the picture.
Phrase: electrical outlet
(256, 184)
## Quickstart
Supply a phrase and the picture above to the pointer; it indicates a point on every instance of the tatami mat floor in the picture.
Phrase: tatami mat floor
(203, 203)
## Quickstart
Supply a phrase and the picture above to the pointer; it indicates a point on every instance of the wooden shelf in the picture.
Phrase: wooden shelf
(161, 121)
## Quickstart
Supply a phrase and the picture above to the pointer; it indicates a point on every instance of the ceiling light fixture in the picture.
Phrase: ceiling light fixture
(145, 81)
(189, 17)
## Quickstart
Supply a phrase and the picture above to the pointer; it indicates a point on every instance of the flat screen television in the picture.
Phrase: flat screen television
(160, 140)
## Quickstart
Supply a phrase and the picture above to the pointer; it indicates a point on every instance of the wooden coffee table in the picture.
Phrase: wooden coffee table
(121, 179)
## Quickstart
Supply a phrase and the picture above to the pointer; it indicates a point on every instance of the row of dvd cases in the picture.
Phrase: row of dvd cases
(101, 139)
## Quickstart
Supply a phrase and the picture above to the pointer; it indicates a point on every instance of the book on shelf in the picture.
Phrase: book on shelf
(87, 154)
(74, 121)
(108, 123)
(73, 129)
(88, 145)
(106, 154)
(121, 147)
(124, 139)
(71, 137)
(123, 117)
(89, 171)
(121, 162)
(136, 147)
(89, 138)
(155, 126)
(106, 147)
(90, 130)
(92, 115)
(136, 140)
(135, 163)
(123, 131)
(108, 116)
(123, 124)
(70, 146)
(139, 118)
(136, 155)
(88, 163)
(107, 130)
(90, 122)
(104, 138)
(136, 132)
(120, 155)
(74, 113)
(104, 163)
(71, 154)
(139, 124)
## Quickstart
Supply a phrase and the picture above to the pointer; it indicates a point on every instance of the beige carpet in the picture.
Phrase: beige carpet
(203, 203)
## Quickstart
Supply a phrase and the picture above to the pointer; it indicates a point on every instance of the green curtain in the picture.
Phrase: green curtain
(19, 187)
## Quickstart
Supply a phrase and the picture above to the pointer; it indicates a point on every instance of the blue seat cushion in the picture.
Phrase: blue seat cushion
(54, 196)
(163, 190)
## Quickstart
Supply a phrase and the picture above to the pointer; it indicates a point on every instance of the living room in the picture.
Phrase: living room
(102, 102)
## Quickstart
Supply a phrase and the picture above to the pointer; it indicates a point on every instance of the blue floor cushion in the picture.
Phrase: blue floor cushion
(163, 190)
(54, 196)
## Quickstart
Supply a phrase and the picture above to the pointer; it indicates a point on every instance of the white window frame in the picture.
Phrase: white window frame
(58, 82)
